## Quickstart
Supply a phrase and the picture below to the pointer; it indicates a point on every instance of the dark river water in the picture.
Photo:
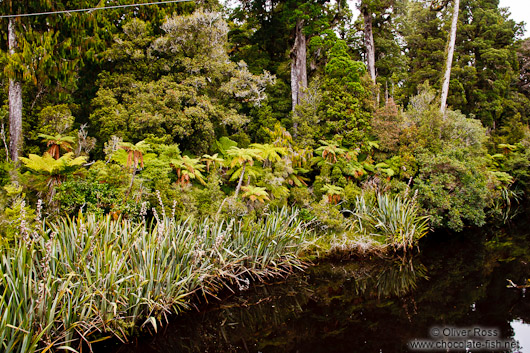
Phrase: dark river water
(458, 291)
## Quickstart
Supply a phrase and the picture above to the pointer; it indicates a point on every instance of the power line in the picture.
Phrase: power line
(93, 9)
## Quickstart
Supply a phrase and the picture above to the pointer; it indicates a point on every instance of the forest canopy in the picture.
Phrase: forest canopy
(222, 110)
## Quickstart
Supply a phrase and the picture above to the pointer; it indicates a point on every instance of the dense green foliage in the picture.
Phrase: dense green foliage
(129, 112)
(178, 100)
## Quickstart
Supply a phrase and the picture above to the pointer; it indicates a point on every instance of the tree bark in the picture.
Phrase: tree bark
(240, 180)
(369, 42)
(450, 52)
(15, 101)
(298, 66)
(132, 183)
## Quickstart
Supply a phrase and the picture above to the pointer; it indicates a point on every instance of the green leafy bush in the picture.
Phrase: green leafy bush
(83, 195)
(453, 190)
(453, 177)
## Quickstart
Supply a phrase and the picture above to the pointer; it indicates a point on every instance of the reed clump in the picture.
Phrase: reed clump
(377, 224)
(82, 280)
(393, 221)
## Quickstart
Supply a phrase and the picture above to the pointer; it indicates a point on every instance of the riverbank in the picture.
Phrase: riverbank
(88, 279)
(377, 304)
(79, 281)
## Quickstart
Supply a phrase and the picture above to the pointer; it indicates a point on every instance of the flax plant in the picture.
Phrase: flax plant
(83, 280)
(393, 220)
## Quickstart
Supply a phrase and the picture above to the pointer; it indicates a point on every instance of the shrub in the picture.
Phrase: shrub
(80, 195)
(454, 189)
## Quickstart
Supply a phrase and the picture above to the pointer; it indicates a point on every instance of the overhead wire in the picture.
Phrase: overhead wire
(92, 9)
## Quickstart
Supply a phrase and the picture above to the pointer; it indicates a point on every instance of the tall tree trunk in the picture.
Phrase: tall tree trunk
(240, 180)
(370, 48)
(386, 92)
(369, 42)
(450, 52)
(131, 184)
(15, 101)
(298, 66)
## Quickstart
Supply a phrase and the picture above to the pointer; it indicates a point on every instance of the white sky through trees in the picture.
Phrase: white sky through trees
(520, 11)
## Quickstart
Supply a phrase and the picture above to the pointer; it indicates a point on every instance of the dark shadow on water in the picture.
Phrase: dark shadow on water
(366, 305)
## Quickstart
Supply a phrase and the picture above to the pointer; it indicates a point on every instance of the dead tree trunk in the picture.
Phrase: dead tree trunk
(15, 101)
(370, 49)
(369, 42)
(450, 52)
(298, 67)
(238, 187)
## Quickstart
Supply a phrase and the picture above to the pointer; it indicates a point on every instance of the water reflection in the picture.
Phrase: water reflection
(367, 306)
